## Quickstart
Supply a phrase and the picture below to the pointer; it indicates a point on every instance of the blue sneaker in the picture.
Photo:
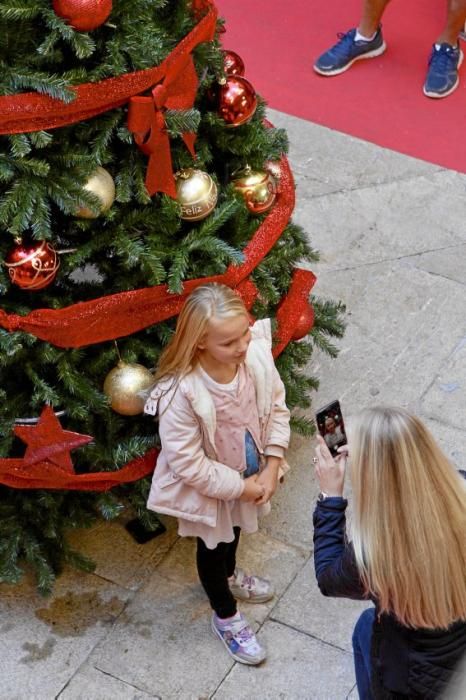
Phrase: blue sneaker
(442, 76)
(346, 51)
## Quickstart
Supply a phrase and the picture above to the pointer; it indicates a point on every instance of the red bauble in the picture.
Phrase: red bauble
(83, 15)
(232, 63)
(32, 266)
(305, 323)
(237, 100)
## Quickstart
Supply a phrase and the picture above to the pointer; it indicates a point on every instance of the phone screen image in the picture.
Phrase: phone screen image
(331, 426)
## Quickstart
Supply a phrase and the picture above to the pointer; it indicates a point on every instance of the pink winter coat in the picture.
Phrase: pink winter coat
(188, 481)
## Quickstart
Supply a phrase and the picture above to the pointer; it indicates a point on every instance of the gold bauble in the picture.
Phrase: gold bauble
(196, 192)
(122, 386)
(100, 184)
(258, 187)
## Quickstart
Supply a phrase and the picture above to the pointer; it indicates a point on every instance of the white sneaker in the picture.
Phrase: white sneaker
(239, 639)
(252, 589)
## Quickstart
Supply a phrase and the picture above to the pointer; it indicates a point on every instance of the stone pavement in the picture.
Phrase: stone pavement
(392, 234)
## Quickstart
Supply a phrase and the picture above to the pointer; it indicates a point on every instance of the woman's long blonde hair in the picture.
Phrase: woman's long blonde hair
(203, 304)
(409, 532)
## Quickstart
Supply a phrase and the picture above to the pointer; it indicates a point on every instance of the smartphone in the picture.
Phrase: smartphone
(331, 426)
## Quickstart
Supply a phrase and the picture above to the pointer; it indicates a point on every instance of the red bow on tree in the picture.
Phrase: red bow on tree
(146, 121)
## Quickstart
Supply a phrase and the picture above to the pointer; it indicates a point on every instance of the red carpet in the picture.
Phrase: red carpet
(378, 100)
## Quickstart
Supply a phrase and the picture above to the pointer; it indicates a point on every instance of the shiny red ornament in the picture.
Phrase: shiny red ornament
(304, 324)
(232, 63)
(83, 15)
(237, 100)
(32, 266)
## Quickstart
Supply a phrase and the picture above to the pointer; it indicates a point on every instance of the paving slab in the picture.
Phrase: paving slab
(445, 400)
(89, 682)
(298, 667)
(45, 640)
(304, 608)
(326, 161)
(446, 262)
(130, 563)
(162, 643)
(403, 325)
(293, 503)
(257, 553)
(451, 440)
(385, 222)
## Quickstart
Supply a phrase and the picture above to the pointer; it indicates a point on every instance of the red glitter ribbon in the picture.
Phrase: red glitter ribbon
(30, 111)
(119, 315)
(47, 463)
(146, 121)
(291, 308)
(44, 475)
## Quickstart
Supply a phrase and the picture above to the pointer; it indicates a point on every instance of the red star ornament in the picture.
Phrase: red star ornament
(47, 441)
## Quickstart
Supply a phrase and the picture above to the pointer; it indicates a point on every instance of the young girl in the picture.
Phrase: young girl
(408, 554)
(224, 429)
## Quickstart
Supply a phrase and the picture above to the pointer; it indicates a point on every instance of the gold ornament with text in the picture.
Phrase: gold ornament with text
(123, 385)
(258, 187)
(101, 185)
(196, 192)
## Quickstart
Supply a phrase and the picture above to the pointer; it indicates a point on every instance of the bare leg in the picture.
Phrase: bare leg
(456, 17)
(372, 11)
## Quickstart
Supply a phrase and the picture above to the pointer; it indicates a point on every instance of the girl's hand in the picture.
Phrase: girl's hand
(330, 472)
(253, 491)
(269, 479)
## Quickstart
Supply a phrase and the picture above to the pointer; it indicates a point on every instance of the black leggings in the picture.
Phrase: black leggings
(214, 566)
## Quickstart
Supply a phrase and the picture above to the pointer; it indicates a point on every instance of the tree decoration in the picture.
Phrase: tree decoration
(294, 311)
(47, 462)
(101, 185)
(233, 64)
(196, 192)
(32, 266)
(236, 100)
(304, 324)
(258, 188)
(123, 385)
(83, 15)
(121, 314)
(47, 441)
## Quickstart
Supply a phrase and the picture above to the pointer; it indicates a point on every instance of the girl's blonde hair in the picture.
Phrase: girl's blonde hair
(409, 532)
(205, 303)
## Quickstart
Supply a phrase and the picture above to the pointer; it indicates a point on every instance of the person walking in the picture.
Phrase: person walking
(366, 41)
(407, 555)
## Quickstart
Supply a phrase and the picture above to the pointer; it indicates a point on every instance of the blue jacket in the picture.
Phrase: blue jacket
(406, 663)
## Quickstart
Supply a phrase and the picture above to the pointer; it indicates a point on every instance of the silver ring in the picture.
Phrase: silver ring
(315, 460)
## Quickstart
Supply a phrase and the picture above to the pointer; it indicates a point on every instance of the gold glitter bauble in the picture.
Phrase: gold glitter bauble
(196, 192)
(122, 386)
(101, 184)
(258, 188)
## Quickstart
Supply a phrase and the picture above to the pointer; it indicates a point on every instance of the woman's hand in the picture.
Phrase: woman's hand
(330, 472)
(253, 491)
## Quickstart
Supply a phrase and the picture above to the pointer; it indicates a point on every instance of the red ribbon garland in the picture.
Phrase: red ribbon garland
(119, 315)
(44, 475)
(30, 111)
(147, 123)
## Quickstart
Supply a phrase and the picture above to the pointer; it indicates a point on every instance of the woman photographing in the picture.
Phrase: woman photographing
(407, 555)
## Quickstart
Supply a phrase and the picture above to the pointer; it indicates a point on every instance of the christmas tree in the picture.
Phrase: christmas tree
(135, 164)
